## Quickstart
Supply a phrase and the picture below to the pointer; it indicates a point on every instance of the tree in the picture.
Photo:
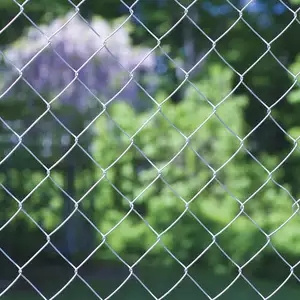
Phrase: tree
(67, 83)
(178, 177)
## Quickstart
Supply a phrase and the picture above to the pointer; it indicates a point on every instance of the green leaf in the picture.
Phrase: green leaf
(294, 96)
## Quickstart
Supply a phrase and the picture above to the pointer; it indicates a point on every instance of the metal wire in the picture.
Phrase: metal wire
(145, 58)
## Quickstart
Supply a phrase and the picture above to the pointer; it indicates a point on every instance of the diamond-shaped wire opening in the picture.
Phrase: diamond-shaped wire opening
(169, 142)
(18, 256)
(25, 159)
(176, 179)
(253, 273)
(22, 15)
(256, 77)
(282, 14)
(50, 134)
(205, 143)
(58, 273)
(214, 197)
(46, 200)
(268, 217)
(242, 185)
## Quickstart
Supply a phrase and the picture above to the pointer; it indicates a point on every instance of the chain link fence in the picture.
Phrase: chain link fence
(128, 168)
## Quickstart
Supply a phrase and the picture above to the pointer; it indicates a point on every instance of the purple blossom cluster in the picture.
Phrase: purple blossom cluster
(78, 59)
(77, 66)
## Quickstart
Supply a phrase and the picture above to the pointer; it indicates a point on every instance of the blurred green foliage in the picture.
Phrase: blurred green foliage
(161, 166)
(153, 165)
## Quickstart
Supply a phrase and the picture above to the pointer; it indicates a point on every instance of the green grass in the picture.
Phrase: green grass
(159, 281)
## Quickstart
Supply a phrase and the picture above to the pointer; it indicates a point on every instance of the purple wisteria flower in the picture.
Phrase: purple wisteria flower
(77, 59)
(76, 66)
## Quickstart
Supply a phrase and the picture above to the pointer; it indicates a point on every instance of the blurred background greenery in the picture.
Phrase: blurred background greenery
(221, 201)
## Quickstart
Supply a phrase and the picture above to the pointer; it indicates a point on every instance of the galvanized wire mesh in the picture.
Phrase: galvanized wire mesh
(45, 38)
